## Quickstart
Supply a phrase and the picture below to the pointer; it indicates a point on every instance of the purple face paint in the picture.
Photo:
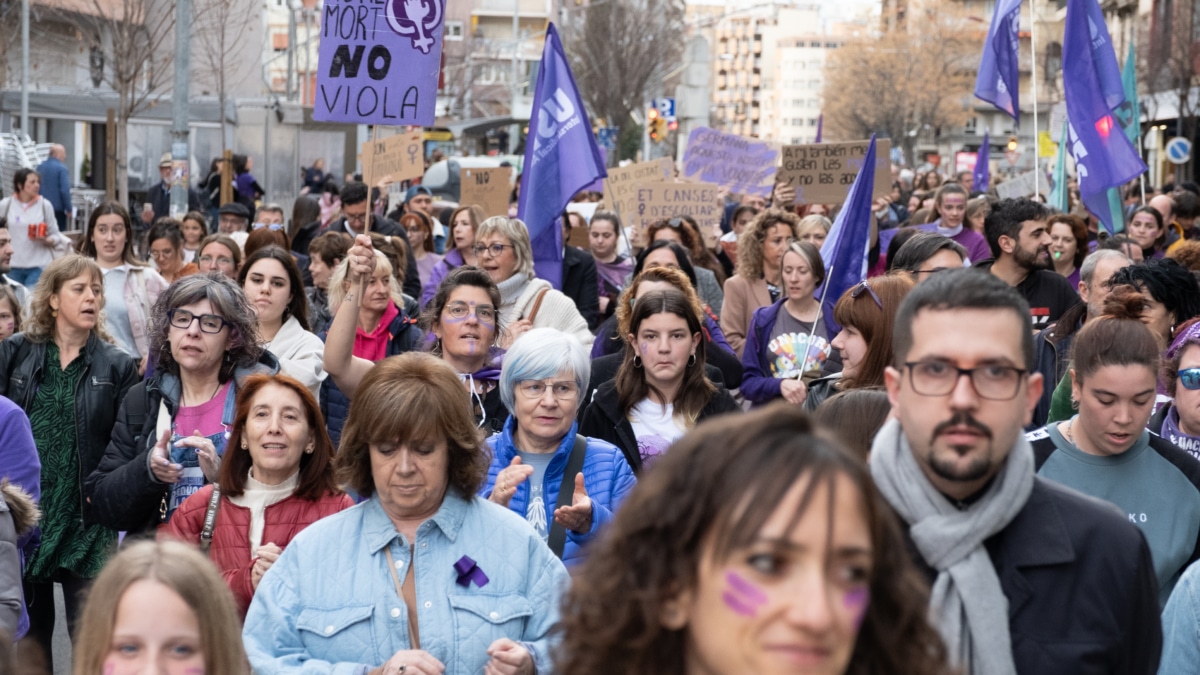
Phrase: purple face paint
(856, 601)
(742, 596)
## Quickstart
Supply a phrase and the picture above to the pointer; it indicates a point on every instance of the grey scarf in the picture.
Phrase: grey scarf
(968, 606)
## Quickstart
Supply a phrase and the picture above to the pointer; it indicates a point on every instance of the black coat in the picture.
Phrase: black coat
(122, 491)
(108, 374)
(602, 419)
(160, 200)
(1052, 355)
(1082, 595)
(579, 284)
(388, 228)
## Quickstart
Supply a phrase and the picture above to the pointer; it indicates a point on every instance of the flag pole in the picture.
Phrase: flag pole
(1033, 82)
(812, 331)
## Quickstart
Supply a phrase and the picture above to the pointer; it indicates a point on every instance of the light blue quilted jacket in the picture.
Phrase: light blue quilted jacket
(606, 477)
(329, 605)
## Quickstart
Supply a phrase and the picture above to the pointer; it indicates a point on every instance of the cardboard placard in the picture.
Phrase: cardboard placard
(398, 156)
(743, 165)
(1021, 186)
(620, 188)
(822, 173)
(487, 188)
(662, 200)
(379, 63)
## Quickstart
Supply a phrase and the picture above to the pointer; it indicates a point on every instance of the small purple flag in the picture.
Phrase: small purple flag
(983, 170)
(1104, 157)
(561, 158)
(997, 81)
(820, 126)
(845, 249)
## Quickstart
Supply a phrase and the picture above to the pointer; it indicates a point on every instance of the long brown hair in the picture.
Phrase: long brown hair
(706, 499)
(874, 323)
(695, 391)
(316, 471)
(87, 244)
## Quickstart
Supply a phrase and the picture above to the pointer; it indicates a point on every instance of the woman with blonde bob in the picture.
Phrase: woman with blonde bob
(752, 544)
(159, 607)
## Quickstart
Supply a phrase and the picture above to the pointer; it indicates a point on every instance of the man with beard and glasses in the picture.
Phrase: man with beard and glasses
(1028, 576)
(1019, 236)
(6, 253)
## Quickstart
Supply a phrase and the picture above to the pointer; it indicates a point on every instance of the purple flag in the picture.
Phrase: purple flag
(1104, 157)
(983, 170)
(820, 126)
(561, 158)
(845, 249)
(379, 65)
(997, 81)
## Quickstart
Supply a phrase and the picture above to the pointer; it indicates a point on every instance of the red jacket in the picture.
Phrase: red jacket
(230, 550)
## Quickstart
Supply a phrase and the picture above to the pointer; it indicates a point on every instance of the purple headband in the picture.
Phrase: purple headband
(1189, 336)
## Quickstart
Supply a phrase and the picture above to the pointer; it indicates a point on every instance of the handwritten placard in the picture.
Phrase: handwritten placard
(1020, 186)
(740, 164)
(822, 173)
(620, 188)
(487, 188)
(379, 62)
(662, 200)
(398, 156)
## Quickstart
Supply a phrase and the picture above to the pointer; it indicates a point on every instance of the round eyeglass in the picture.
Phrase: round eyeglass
(995, 382)
(461, 310)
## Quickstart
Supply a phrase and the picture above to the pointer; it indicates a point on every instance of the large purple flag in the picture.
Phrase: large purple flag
(1104, 157)
(997, 81)
(845, 249)
(561, 158)
(983, 169)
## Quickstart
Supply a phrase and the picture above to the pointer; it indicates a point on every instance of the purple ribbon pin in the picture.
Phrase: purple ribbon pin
(468, 571)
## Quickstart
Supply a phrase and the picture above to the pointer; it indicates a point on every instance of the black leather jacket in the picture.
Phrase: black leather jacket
(107, 375)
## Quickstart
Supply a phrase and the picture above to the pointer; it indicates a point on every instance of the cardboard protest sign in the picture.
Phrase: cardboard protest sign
(487, 188)
(742, 165)
(620, 188)
(823, 173)
(398, 156)
(661, 200)
(379, 62)
(1021, 186)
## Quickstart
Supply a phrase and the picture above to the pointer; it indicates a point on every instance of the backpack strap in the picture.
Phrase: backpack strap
(537, 304)
(210, 519)
(566, 491)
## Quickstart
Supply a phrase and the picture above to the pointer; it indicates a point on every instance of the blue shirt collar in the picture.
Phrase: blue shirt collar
(379, 531)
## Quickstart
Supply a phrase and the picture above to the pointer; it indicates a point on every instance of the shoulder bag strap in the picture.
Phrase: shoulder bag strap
(537, 304)
(558, 533)
(210, 519)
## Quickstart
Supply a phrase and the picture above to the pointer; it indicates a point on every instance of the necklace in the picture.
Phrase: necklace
(210, 396)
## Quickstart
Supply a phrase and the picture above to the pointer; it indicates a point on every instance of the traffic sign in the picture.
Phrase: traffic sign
(666, 108)
(1179, 150)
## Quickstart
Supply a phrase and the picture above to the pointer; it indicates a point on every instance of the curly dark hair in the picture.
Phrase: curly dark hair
(227, 300)
(411, 397)
(705, 500)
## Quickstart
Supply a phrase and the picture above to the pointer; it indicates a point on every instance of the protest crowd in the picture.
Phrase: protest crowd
(655, 419)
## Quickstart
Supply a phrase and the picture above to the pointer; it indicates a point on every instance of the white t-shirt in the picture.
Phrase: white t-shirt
(655, 427)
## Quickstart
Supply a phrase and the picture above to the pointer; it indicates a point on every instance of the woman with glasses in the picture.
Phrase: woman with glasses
(789, 340)
(1178, 420)
(710, 276)
(565, 485)
(1106, 451)
(504, 252)
(271, 281)
(165, 242)
(130, 286)
(369, 325)
(420, 238)
(757, 283)
(866, 314)
(172, 428)
(66, 375)
(219, 253)
(661, 390)
(460, 250)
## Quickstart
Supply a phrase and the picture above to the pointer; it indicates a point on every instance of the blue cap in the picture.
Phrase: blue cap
(417, 190)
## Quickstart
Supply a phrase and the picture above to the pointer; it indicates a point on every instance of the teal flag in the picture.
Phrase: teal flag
(1130, 113)
(1059, 198)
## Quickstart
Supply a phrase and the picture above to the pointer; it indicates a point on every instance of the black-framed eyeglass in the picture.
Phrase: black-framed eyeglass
(864, 286)
(209, 323)
(993, 381)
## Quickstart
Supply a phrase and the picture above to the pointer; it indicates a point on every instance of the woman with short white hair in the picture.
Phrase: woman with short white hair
(504, 252)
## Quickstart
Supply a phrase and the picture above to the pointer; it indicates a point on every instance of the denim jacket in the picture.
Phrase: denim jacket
(329, 604)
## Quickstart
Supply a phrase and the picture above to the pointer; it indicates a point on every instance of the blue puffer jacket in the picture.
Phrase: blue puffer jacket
(403, 336)
(606, 477)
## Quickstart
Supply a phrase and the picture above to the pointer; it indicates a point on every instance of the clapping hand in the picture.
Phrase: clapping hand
(578, 516)
(508, 479)
(508, 658)
(160, 461)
